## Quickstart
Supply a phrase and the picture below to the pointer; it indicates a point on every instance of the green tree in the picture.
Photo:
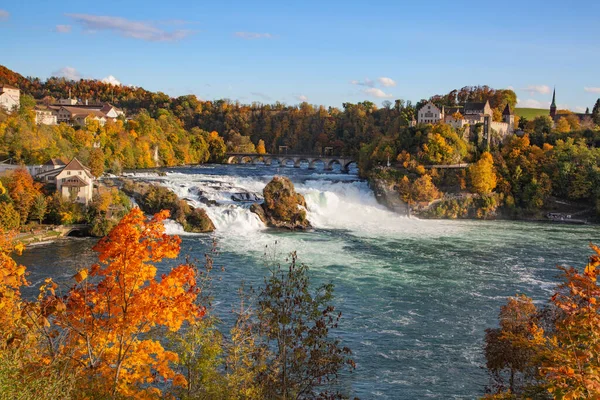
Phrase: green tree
(39, 208)
(295, 322)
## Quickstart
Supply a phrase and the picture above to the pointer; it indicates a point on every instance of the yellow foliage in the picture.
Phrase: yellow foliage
(482, 176)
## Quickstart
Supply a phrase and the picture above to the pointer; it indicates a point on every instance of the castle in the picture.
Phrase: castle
(468, 116)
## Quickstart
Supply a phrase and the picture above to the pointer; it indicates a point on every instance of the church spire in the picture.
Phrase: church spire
(553, 105)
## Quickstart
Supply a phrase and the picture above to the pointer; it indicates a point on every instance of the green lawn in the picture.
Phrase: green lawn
(531, 113)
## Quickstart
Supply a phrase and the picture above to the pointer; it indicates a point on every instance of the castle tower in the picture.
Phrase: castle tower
(553, 105)
(509, 118)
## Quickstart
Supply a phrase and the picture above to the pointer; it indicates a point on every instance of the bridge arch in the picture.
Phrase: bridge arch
(283, 162)
(246, 160)
(313, 163)
(329, 165)
(298, 162)
(347, 165)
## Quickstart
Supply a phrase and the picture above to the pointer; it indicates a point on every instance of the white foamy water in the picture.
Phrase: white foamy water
(334, 201)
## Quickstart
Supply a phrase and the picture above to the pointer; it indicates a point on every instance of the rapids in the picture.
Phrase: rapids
(416, 295)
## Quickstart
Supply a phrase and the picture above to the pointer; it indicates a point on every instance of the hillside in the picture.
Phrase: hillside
(531, 113)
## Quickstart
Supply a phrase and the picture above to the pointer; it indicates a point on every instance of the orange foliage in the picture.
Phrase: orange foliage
(23, 191)
(110, 312)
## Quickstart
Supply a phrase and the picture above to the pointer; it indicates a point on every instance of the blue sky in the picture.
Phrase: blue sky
(323, 52)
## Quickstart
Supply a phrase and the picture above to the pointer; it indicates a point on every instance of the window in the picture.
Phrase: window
(68, 172)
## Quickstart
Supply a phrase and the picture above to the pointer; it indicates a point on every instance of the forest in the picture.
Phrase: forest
(516, 176)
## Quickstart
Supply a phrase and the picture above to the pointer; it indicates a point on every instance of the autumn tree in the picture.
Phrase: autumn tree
(556, 350)
(110, 313)
(423, 189)
(96, 162)
(482, 177)
(260, 147)
(23, 191)
(563, 125)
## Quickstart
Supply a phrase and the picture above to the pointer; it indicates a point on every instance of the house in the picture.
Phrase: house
(10, 97)
(430, 114)
(44, 115)
(75, 182)
(80, 115)
(47, 172)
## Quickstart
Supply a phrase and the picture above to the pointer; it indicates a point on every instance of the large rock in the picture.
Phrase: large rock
(282, 207)
(387, 195)
(153, 198)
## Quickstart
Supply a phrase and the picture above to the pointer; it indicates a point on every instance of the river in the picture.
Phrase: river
(416, 295)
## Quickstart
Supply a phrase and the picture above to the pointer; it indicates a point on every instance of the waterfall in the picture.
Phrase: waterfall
(334, 201)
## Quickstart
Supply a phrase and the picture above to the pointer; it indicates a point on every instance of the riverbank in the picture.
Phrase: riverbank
(464, 205)
(50, 233)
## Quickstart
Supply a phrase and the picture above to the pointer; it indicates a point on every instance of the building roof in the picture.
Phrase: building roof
(55, 162)
(107, 107)
(81, 111)
(76, 165)
(553, 105)
(452, 110)
(7, 86)
(507, 110)
(475, 106)
(74, 181)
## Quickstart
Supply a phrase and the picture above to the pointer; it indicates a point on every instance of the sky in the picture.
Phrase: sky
(323, 52)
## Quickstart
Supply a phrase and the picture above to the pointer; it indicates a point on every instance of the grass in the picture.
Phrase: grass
(531, 113)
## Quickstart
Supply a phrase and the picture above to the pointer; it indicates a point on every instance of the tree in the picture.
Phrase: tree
(260, 148)
(563, 125)
(39, 208)
(9, 217)
(596, 112)
(295, 323)
(96, 162)
(108, 317)
(23, 191)
(482, 176)
(216, 146)
(555, 349)
(509, 358)
(423, 189)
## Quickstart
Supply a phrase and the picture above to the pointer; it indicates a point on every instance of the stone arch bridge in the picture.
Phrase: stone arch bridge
(296, 159)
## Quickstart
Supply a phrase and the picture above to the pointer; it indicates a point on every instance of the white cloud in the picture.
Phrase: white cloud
(148, 31)
(510, 87)
(302, 98)
(253, 35)
(111, 80)
(579, 109)
(367, 82)
(69, 73)
(541, 89)
(592, 89)
(4, 14)
(63, 28)
(387, 82)
(376, 92)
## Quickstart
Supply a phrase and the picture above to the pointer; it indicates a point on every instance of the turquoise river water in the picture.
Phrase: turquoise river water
(416, 295)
